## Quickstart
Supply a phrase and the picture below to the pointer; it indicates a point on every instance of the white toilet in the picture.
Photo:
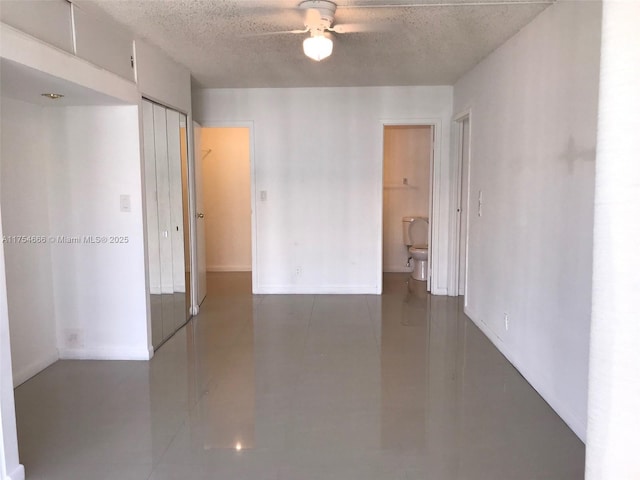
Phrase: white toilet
(415, 232)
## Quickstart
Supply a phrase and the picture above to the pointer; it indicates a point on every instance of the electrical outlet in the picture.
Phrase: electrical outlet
(506, 322)
(298, 271)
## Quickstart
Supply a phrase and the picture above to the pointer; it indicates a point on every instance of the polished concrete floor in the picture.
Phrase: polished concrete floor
(397, 386)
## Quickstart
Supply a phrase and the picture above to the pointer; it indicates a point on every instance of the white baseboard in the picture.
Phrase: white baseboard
(438, 291)
(396, 269)
(105, 353)
(228, 268)
(579, 426)
(316, 289)
(17, 474)
(25, 373)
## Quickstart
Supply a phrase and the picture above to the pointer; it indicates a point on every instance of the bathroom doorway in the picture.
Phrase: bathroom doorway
(226, 156)
(407, 191)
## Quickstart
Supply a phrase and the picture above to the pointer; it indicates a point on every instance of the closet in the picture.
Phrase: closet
(165, 165)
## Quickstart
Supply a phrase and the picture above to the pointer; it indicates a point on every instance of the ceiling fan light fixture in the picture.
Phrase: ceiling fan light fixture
(317, 47)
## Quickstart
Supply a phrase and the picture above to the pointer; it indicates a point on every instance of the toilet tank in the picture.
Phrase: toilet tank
(411, 235)
(406, 223)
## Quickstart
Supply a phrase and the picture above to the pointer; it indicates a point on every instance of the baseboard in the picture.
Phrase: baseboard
(316, 289)
(17, 474)
(105, 353)
(577, 425)
(22, 375)
(438, 291)
(228, 268)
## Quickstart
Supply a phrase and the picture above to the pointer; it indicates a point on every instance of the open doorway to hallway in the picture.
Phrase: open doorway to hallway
(226, 190)
(407, 192)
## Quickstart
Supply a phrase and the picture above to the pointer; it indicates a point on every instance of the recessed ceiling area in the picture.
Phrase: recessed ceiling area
(27, 84)
(415, 42)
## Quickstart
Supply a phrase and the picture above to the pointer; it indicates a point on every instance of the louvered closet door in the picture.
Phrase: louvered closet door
(164, 161)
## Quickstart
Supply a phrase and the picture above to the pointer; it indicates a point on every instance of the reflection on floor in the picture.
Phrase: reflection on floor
(168, 313)
(397, 386)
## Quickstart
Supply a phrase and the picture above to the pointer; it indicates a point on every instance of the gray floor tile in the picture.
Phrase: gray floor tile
(400, 386)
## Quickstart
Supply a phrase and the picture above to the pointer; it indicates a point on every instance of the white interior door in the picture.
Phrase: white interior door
(201, 243)
(164, 198)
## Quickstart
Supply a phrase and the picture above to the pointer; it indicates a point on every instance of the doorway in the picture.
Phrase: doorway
(407, 191)
(226, 186)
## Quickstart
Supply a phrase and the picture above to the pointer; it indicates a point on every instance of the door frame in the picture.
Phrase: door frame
(433, 207)
(193, 214)
(456, 206)
(252, 180)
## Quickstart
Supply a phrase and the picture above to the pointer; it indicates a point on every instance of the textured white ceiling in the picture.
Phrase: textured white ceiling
(426, 45)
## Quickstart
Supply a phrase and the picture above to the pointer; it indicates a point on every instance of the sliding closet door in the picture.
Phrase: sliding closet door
(164, 200)
(175, 195)
(164, 156)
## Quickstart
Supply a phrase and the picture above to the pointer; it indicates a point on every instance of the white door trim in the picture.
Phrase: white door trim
(456, 207)
(252, 172)
(436, 172)
(193, 227)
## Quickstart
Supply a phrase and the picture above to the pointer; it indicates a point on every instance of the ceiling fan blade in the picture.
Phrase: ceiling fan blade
(283, 32)
(359, 28)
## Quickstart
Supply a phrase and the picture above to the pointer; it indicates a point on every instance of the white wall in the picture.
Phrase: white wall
(99, 288)
(318, 155)
(407, 155)
(23, 179)
(159, 77)
(226, 184)
(533, 134)
(614, 382)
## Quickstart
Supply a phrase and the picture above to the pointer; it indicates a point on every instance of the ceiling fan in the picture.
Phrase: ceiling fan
(318, 23)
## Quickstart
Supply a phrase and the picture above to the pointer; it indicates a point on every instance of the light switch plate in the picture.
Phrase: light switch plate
(125, 203)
